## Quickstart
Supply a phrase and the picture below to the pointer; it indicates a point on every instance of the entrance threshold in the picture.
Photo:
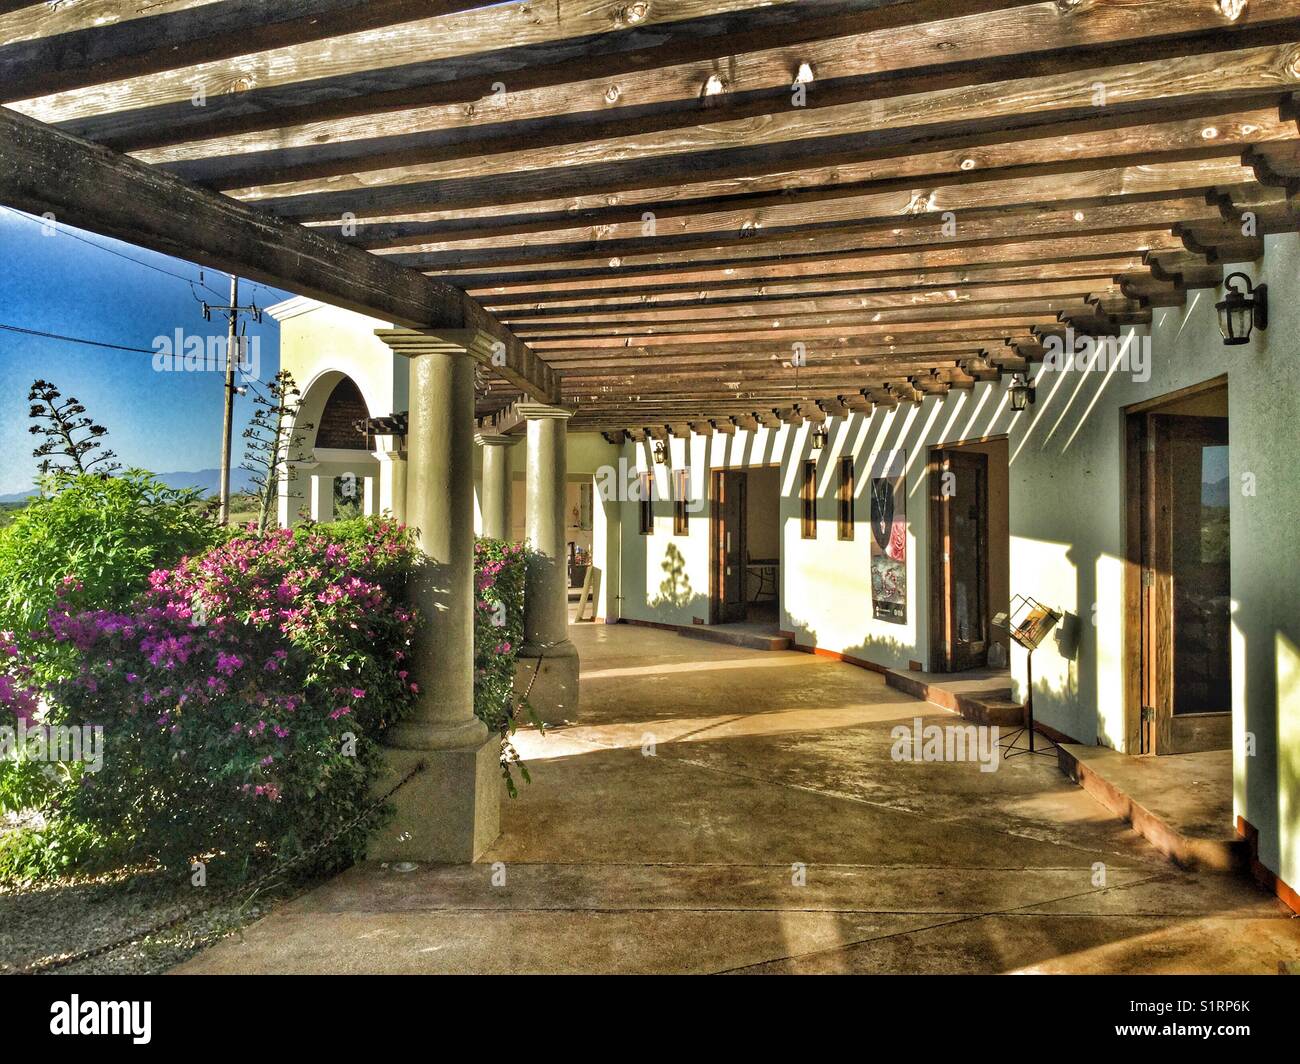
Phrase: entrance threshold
(1180, 803)
(982, 696)
(754, 635)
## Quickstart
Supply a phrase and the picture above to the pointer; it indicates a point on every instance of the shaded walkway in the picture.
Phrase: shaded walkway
(724, 809)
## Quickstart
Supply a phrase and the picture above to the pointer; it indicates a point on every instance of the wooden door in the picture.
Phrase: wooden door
(1186, 667)
(729, 546)
(961, 569)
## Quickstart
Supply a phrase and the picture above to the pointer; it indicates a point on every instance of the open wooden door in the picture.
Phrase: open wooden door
(1186, 594)
(960, 569)
(729, 552)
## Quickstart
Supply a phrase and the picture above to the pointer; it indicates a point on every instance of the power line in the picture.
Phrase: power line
(120, 254)
(76, 339)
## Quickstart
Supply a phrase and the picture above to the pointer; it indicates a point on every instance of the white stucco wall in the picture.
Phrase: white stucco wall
(826, 582)
(1067, 528)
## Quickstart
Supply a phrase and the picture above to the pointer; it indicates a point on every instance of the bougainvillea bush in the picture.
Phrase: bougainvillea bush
(111, 532)
(243, 695)
(498, 633)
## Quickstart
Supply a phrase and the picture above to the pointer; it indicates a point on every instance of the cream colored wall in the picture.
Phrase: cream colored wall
(319, 345)
(587, 454)
(826, 582)
(1068, 539)
(326, 339)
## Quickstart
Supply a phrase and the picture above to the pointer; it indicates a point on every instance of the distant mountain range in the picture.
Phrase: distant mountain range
(1216, 492)
(204, 479)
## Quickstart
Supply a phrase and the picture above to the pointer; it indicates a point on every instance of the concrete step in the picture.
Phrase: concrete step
(1181, 804)
(737, 636)
(990, 705)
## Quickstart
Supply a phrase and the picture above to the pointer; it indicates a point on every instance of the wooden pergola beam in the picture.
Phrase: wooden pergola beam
(150, 43)
(45, 170)
(560, 42)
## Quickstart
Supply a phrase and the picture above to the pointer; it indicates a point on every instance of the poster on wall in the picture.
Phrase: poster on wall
(889, 536)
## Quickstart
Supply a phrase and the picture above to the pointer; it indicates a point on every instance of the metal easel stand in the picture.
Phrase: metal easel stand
(1010, 749)
(1029, 621)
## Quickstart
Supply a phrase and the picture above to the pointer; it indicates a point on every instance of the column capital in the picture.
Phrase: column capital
(411, 343)
(495, 439)
(541, 411)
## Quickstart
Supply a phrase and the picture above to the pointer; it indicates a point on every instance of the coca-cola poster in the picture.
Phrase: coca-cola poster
(889, 536)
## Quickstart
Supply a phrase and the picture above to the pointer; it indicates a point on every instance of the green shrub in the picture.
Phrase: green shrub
(94, 540)
(499, 568)
(60, 848)
(243, 696)
(90, 540)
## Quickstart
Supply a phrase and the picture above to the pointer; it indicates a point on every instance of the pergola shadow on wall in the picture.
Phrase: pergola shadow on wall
(667, 219)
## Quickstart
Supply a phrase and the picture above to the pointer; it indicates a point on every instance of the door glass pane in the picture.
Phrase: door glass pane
(967, 564)
(1200, 563)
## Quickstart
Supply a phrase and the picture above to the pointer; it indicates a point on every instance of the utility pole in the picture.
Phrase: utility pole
(228, 423)
(234, 354)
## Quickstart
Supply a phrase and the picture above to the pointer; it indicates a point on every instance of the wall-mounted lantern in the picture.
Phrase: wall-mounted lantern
(1022, 392)
(661, 453)
(1244, 307)
(819, 437)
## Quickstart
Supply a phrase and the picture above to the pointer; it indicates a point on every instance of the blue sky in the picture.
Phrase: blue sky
(166, 422)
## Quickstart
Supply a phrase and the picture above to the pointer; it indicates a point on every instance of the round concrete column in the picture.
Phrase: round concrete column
(450, 809)
(496, 483)
(548, 660)
(440, 507)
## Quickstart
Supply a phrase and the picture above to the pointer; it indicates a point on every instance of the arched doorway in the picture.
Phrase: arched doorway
(333, 471)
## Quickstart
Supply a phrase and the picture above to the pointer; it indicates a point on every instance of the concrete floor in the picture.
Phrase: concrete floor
(665, 833)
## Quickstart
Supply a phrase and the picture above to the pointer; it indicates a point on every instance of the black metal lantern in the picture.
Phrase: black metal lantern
(1022, 392)
(819, 436)
(1244, 308)
(661, 453)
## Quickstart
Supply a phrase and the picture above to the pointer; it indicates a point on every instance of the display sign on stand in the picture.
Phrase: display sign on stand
(1029, 622)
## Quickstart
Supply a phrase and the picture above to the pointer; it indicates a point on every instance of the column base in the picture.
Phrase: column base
(554, 692)
(449, 813)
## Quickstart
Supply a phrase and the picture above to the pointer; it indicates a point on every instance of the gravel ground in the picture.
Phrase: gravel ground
(50, 919)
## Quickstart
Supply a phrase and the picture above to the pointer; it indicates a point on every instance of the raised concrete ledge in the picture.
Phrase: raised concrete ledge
(1181, 804)
(984, 699)
(751, 637)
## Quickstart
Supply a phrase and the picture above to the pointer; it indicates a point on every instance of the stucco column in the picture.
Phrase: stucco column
(392, 475)
(548, 661)
(289, 492)
(496, 483)
(322, 498)
(451, 811)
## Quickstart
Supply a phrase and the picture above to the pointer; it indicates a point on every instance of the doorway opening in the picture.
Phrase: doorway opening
(1179, 547)
(970, 555)
(745, 584)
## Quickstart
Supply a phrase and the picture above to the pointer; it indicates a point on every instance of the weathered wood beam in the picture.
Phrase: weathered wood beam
(86, 185)
(904, 115)
(857, 282)
(1033, 249)
(991, 223)
(628, 188)
(51, 62)
(661, 96)
(459, 60)
(885, 202)
(754, 306)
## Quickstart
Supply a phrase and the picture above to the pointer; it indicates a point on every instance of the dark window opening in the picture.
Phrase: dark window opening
(846, 491)
(646, 493)
(681, 499)
(808, 499)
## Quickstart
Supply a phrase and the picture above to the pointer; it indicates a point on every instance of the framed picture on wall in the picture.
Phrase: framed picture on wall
(888, 485)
